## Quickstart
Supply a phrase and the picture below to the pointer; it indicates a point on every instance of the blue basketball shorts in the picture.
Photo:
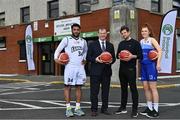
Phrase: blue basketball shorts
(148, 72)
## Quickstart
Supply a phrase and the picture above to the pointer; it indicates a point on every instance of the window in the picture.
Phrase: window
(2, 42)
(53, 9)
(84, 6)
(116, 2)
(2, 19)
(176, 5)
(22, 48)
(25, 15)
(155, 5)
(94, 1)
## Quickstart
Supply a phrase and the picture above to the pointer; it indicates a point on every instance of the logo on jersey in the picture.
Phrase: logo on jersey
(167, 29)
(76, 48)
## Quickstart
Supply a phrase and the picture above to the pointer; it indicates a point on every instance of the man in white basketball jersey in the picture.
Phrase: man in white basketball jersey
(74, 74)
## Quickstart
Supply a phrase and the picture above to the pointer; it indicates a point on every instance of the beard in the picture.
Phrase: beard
(76, 35)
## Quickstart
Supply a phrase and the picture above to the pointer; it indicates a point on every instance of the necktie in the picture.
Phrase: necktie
(103, 47)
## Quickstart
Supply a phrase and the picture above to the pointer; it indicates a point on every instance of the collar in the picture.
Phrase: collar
(76, 38)
(102, 41)
(128, 39)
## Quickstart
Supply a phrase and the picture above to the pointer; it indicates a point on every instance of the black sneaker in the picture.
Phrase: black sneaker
(120, 111)
(153, 114)
(134, 114)
(146, 111)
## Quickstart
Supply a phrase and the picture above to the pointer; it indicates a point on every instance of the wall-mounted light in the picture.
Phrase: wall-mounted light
(64, 13)
(12, 26)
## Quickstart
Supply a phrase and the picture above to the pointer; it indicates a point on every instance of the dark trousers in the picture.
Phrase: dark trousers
(128, 76)
(95, 82)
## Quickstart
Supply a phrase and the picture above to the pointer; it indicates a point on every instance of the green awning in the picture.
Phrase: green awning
(43, 39)
(89, 34)
(84, 35)
(59, 37)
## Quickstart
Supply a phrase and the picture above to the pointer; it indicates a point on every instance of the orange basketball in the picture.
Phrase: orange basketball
(124, 54)
(153, 55)
(63, 57)
(106, 57)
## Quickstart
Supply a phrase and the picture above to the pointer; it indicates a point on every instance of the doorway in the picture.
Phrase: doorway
(47, 58)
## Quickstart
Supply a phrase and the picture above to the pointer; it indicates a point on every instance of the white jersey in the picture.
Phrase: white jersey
(76, 50)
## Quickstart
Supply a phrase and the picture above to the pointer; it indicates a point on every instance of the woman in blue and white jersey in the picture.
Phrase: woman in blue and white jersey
(149, 70)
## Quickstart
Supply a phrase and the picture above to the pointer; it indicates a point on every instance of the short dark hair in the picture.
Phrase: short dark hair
(75, 25)
(124, 28)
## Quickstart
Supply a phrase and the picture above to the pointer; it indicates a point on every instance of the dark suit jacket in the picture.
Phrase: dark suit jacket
(94, 50)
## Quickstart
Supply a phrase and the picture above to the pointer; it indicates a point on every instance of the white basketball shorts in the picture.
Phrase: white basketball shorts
(74, 75)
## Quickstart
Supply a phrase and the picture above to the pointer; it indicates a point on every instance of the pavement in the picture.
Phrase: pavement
(41, 97)
(163, 81)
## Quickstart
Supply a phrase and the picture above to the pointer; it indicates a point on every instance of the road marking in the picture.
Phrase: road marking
(61, 104)
(23, 104)
(30, 87)
(24, 92)
(54, 103)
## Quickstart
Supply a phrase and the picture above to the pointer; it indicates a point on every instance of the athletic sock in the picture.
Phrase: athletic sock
(156, 105)
(149, 104)
(68, 105)
(77, 106)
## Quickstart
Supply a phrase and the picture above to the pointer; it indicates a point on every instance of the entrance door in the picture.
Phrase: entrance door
(47, 59)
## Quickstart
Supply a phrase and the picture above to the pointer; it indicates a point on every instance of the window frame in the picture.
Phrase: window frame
(80, 3)
(22, 50)
(49, 9)
(23, 14)
(2, 18)
(4, 41)
(158, 4)
(117, 2)
(94, 1)
(176, 7)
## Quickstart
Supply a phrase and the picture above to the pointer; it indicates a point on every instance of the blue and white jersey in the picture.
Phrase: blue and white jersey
(146, 46)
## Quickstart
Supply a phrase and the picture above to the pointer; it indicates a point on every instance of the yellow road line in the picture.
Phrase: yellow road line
(14, 80)
(87, 84)
(118, 86)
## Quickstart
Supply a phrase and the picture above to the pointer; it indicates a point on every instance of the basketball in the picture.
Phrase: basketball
(124, 54)
(153, 55)
(63, 57)
(106, 57)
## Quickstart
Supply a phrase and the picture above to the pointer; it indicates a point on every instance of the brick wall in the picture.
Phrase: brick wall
(9, 59)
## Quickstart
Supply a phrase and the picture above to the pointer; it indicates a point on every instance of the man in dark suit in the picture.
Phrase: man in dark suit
(100, 73)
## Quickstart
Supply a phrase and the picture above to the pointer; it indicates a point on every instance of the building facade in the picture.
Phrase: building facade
(46, 17)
